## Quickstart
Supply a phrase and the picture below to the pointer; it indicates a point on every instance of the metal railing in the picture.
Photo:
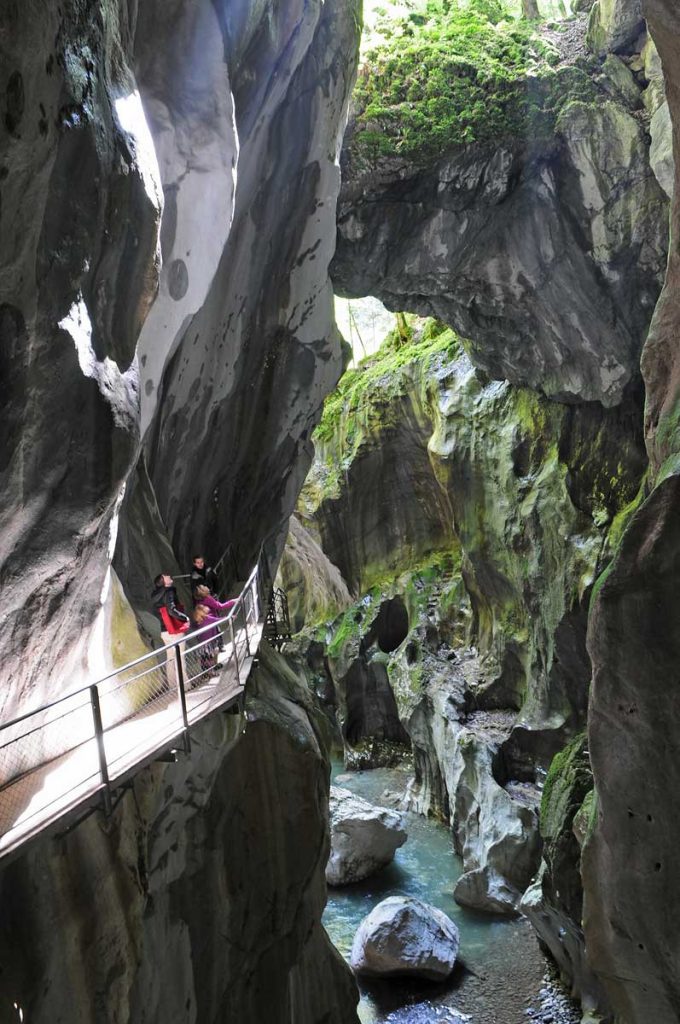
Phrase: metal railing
(152, 697)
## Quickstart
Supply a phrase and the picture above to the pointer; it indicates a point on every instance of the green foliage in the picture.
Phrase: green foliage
(459, 74)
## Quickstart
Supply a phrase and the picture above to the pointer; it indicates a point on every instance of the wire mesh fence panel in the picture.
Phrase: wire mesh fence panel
(127, 692)
(63, 753)
(201, 661)
(44, 735)
(46, 757)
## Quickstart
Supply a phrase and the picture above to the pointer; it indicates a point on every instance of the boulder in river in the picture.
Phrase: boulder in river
(403, 935)
(364, 837)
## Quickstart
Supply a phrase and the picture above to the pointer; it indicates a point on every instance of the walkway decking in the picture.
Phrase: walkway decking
(62, 784)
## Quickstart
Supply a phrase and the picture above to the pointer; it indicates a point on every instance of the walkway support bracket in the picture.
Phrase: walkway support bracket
(182, 698)
(101, 752)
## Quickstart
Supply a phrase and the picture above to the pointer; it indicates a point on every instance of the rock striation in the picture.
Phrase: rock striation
(364, 838)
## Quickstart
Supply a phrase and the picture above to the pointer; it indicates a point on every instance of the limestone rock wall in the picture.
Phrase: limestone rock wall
(245, 382)
(200, 898)
(80, 207)
(524, 490)
(186, 356)
(549, 254)
(629, 877)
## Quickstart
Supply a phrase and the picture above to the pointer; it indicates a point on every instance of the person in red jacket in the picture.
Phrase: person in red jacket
(172, 618)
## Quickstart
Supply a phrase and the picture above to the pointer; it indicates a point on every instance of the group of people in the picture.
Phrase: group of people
(207, 611)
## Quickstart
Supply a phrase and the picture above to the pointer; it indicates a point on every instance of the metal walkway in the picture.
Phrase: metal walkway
(71, 754)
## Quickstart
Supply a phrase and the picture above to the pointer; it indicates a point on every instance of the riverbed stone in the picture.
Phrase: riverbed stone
(364, 837)
(403, 935)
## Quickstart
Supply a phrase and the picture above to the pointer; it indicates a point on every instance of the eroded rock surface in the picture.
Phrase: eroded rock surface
(403, 935)
(628, 862)
(364, 838)
(80, 201)
(549, 259)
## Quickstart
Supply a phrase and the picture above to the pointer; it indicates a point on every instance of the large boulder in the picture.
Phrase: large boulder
(614, 25)
(364, 837)
(403, 935)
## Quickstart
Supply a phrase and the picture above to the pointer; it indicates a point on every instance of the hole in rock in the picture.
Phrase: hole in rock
(411, 653)
(371, 710)
(390, 627)
(657, 866)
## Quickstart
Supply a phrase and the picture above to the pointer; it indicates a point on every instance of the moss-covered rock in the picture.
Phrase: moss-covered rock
(554, 902)
(614, 25)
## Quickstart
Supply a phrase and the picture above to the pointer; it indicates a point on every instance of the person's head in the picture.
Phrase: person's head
(202, 591)
(200, 613)
(199, 561)
(164, 579)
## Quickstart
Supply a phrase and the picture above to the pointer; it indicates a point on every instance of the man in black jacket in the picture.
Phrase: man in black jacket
(202, 575)
(173, 621)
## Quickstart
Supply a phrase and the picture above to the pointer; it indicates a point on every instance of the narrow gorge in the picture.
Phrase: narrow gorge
(378, 311)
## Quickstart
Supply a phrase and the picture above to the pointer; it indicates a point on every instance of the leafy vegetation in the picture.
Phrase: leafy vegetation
(457, 73)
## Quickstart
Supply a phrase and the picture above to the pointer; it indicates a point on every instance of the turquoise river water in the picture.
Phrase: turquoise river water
(502, 968)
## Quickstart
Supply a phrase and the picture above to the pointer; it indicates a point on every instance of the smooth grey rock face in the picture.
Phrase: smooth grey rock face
(403, 935)
(245, 383)
(364, 838)
(550, 262)
(79, 205)
(186, 91)
(629, 863)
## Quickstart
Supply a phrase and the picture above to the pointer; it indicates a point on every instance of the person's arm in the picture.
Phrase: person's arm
(172, 607)
(220, 606)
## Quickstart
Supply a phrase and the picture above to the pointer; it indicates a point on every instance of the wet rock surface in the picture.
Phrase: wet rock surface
(364, 837)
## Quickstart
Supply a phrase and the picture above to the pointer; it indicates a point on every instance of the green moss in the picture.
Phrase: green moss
(364, 401)
(453, 76)
(623, 517)
(384, 375)
(569, 780)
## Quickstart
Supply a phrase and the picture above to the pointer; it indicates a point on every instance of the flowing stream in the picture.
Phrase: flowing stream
(503, 970)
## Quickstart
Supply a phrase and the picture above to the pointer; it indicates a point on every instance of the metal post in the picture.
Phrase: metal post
(234, 651)
(101, 751)
(182, 698)
(255, 597)
(245, 624)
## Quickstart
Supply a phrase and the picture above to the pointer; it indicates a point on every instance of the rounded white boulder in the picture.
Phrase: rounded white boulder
(403, 935)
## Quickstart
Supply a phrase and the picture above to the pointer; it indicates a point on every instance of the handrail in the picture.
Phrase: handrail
(103, 732)
(182, 637)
